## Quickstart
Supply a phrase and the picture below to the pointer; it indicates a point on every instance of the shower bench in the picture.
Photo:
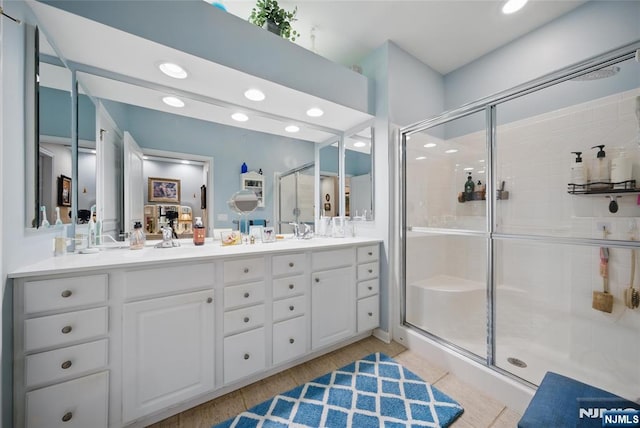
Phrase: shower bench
(564, 402)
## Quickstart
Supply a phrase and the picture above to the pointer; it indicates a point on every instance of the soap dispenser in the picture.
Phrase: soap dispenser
(137, 238)
(578, 170)
(599, 176)
(469, 187)
(198, 232)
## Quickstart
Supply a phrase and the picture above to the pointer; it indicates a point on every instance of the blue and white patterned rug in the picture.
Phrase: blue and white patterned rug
(375, 391)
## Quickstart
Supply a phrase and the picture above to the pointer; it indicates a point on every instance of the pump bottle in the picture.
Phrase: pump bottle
(578, 170)
(469, 187)
(599, 175)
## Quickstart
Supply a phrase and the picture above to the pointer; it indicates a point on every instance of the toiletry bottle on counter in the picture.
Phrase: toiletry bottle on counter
(198, 232)
(137, 238)
(620, 170)
(244, 168)
(599, 176)
(469, 187)
(578, 170)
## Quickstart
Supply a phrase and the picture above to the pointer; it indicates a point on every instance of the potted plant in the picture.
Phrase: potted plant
(276, 19)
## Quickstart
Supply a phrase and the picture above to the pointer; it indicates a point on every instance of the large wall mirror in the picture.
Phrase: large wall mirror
(358, 161)
(123, 117)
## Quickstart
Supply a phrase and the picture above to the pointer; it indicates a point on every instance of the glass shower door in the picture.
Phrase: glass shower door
(296, 193)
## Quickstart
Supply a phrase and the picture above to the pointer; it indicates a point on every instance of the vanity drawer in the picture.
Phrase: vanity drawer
(243, 319)
(244, 354)
(64, 293)
(289, 339)
(169, 280)
(368, 271)
(76, 403)
(368, 313)
(245, 294)
(368, 253)
(56, 330)
(65, 362)
(243, 270)
(368, 288)
(323, 260)
(287, 308)
(290, 286)
(288, 264)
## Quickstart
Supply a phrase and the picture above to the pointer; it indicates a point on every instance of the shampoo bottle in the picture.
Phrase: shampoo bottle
(599, 174)
(620, 170)
(469, 187)
(578, 170)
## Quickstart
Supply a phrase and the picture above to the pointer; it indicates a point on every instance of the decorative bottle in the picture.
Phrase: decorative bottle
(198, 232)
(137, 239)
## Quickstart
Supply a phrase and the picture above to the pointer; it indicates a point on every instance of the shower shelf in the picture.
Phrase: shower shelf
(585, 189)
(481, 196)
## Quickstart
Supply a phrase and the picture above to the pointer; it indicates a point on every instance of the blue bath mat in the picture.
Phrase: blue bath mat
(375, 391)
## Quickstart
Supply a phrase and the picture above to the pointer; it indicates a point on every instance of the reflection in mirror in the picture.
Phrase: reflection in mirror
(295, 197)
(329, 170)
(359, 190)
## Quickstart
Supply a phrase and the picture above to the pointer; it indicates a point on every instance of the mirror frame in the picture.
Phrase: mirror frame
(32, 128)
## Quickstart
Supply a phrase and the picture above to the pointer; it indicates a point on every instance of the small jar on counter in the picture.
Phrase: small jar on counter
(137, 238)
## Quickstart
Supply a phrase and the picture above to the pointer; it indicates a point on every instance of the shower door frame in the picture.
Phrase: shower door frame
(488, 105)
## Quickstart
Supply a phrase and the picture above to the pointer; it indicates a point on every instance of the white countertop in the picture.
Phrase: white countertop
(124, 257)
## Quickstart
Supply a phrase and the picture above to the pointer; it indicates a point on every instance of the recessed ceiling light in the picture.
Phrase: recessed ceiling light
(512, 6)
(239, 117)
(469, 168)
(359, 144)
(173, 102)
(93, 151)
(314, 112)
(481, 171)
(451, 151)
(186, 162)
(429, 145)
(481, 161)
(421, 158)
(292, 128)
(145, 157)
(254, 94)
(408, 137)
(173, 70)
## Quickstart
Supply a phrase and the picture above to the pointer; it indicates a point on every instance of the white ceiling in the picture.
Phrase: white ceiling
(444, 34)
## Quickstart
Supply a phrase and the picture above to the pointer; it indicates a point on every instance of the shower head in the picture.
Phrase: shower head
(601, 73)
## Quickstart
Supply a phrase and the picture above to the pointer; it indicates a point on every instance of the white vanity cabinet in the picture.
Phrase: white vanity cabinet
(168, 341)
(368, 269)
(61, 350)
(290, 306)
(333, 296)
(244, 345)
(133, 341)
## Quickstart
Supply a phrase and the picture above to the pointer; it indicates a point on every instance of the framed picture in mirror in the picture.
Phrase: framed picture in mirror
(164, 190)
(64, 191)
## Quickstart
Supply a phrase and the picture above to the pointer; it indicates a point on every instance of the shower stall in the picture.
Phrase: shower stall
(502, 253)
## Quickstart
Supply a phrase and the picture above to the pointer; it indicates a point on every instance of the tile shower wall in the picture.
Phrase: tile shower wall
(554, 313)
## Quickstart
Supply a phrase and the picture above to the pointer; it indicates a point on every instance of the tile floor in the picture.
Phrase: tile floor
(480, 411)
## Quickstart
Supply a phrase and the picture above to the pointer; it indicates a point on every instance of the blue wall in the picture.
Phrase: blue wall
(55, 114)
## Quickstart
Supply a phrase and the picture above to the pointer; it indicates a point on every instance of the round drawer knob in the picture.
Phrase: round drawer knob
(66, 365)
(66, 293)
(290, 264)
(370, 314)
(291, 308)
(66, 329)
(246, 356)
(370, 287)
(246, 295)
(67, 417)
(370, 270)
(209, 299)
(290, 286)
(317, 279)
(246, 319)
(246, 270)
(370, 253)
(291, 341)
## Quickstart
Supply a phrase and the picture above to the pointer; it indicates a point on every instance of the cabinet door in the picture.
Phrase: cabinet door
(167, 352)
(333, 306)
